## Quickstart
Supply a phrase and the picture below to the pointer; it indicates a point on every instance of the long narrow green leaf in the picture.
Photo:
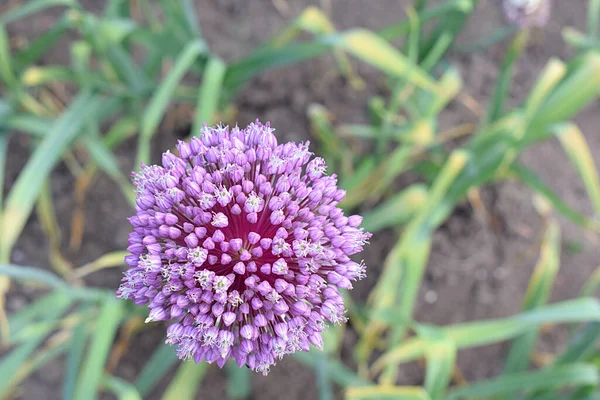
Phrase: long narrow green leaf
(42, 44)
(209, 95)
(554, 378)
(108, 163)
(92, 370)
(243, 70)
(386, 392)
(32, 274)
(440, 357)
(591, 285)
(373, 50)
(6, 69)
(396, 210)
(503, 84)
(25, 316)
(122, 389)
(76, 350)
(537, 294)
(11, 363)
(32, 7)
(480, 333)
(186, 381)
(4, 138)
(529, 178)
(161, 361)
(239, 385)
(580, 86)
(24, 192)
(579, 152)
(336, 370)
(160, 101)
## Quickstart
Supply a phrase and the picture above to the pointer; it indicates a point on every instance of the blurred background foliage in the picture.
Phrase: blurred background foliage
(131, 64)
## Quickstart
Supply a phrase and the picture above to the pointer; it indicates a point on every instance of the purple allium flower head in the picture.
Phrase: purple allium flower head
(240, 242)
(527, 13)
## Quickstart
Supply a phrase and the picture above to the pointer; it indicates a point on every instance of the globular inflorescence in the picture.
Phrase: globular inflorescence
(240, 243)
(527, 13)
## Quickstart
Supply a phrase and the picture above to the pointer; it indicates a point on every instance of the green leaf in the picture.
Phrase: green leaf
(372, 49)
(122, 389)
(35, 49)
(577, 149)
(580, 86)
(440, 357)
(480, 333)
(336, 371)
(209, 95)
(503, 84)
(537, 294)
(161, 361)
(92, 369)
(396, 210)
(386, 392)
(259, 61)
(591, 285)
(186, 381)
(581, 345)
(160, 101)
(76, 350)
(12, 362)
(32, 7)
(530, 179)
(6, 70)
(107, 162)
(32, 311)
(24, 192)
(554, 378)
(239, 385)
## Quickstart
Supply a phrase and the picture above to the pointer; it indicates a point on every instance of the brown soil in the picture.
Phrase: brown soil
(476, 270)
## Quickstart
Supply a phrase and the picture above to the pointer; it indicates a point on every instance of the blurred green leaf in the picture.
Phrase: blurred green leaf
(336, 370)
(239, 385)
(386, 392)
(580, 86)
(24, 192)
(42, 44)
(440, 357)
(530, 179)
(259, 61)
(26, 315)
(581, 345)
(441, 9)
(186, 381)
(373, 50)
(209, 94)
(396, 210)
(160, 100)
(480, 333)
(504, 82)
(76, 350)
(591, 285)
(551, 76)
(107, 162)
(122, 389)
(12, 362)
(162, 360)
(579, 152)
(6, 70)
(92, 369)
(537, 294)
(554, 378)
(32, 7)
